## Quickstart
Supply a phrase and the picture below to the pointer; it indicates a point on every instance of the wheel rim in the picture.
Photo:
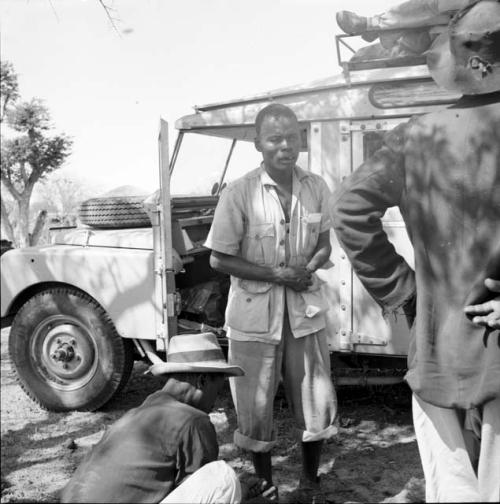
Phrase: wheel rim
(65, 352)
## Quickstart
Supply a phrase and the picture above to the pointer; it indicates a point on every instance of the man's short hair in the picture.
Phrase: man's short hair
(273, 110)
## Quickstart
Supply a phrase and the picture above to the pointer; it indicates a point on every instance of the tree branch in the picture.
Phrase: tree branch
(4, 105)
(10, 187)
(7, 225)
(54, 10)
(112, 20)
(22, 170)
(38, 228)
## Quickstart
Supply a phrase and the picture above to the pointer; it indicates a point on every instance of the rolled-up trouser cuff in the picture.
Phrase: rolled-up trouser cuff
(309, 437)
(253, 445)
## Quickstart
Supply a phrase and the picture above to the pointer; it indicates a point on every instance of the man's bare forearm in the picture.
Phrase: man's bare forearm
(321, 253)
(241, 268)
(297, 278)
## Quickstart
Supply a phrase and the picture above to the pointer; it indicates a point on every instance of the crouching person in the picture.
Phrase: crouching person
(166, 449)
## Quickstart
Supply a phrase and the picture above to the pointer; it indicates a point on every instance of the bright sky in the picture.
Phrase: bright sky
(108, 91)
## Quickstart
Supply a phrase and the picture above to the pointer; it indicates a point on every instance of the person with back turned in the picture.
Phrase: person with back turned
(443, 171)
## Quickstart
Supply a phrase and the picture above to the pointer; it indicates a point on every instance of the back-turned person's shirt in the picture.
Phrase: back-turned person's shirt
(443, 171)
(145, 454)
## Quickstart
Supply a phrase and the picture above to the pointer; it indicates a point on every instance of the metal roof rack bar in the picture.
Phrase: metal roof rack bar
(368, 64)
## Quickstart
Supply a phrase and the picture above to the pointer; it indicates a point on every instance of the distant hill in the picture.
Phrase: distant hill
(127, 190)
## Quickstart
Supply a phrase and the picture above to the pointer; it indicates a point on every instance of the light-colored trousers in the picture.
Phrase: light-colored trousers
(214, 483)
(460, 451)
(416, 14)
(304, 365)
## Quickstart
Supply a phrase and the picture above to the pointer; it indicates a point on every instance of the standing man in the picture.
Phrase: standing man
(271, 232)
(443, 171)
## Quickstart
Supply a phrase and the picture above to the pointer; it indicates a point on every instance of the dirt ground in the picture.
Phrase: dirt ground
(374, 457)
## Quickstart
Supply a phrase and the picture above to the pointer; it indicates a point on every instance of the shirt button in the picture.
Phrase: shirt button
(282, 242)
(249, 300)
(282, 222)
(282, 264)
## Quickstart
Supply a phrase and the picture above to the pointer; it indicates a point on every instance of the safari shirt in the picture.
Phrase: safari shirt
(249, 222)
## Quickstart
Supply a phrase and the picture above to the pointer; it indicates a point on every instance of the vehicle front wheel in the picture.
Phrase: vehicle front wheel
(66, 351)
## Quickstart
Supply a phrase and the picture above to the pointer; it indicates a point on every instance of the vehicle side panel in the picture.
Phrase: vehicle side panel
(355, 322)
(120, 280)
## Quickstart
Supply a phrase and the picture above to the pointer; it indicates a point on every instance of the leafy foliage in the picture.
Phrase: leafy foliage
(61, 197)
(9, 88)
(29, 116)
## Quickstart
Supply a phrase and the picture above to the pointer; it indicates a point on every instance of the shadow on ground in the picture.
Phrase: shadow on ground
(373, 457)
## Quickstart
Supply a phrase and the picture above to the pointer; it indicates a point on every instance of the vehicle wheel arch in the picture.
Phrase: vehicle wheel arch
(35, 289)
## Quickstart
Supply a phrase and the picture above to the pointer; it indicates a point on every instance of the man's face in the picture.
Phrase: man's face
(279, 142)
(210, 389)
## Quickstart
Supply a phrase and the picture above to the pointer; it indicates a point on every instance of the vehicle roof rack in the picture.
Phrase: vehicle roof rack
(368, 64)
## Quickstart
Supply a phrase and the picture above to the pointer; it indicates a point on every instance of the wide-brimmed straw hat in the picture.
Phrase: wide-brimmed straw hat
(195, 353)
(467, 57)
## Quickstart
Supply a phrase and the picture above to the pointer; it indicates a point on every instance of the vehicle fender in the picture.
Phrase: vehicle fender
(121, 280)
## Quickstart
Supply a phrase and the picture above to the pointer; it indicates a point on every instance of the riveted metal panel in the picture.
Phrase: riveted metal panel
(372, 333)
(330, 157)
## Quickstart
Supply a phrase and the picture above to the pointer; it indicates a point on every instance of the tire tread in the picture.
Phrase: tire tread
(114, 212)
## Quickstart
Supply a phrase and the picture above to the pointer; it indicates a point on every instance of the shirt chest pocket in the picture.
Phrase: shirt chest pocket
(310, 226)
(261, 243)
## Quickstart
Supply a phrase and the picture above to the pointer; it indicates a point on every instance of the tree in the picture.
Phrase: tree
(61, 196)
(26, 157)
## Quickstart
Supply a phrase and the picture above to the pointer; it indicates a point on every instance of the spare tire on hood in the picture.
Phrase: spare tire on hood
(114, 212)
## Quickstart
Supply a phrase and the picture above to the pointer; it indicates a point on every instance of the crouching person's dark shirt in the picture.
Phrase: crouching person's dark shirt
(145, 454)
